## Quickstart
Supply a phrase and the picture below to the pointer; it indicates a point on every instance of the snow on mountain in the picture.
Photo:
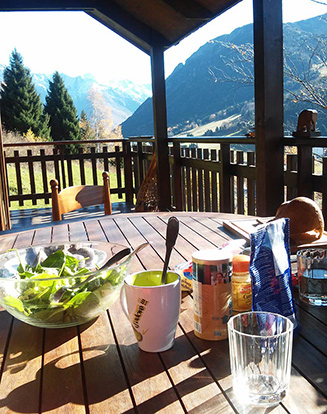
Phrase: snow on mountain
(123, 97)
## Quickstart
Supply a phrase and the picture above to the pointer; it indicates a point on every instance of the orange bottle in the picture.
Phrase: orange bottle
(241, 283)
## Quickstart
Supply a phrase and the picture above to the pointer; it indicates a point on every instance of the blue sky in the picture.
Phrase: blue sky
(69, 42)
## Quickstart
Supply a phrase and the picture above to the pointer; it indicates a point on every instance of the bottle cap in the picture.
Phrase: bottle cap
(241, 263)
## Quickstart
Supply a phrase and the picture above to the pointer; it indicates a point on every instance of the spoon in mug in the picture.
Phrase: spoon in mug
(171, 236)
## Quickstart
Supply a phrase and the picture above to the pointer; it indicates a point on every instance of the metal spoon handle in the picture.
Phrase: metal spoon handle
(116, 257)
(171, 236)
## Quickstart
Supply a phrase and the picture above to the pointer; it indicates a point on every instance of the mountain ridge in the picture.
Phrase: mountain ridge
(123, 97)
(205, 87)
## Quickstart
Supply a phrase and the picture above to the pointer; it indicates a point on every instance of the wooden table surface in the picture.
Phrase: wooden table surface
(98, 367)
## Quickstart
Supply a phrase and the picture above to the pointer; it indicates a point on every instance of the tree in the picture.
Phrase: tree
(87, 132)
(21, 106)
(62, 112)
(100, 119)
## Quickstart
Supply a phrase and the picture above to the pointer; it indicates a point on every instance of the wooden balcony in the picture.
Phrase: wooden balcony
(215, 174)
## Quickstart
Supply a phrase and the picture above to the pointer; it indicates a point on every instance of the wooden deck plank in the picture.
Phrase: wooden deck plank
(148, 255)
(155, 232)
(21, 378)
(150, 384)
(7, 242)
(60, 233)
(215, 355)
(77, 231)
(184, 245)
(214, 238)
(106, 387)
(107, 390)
(115, 235)
(62, 388)
(195, 385)
(313, 330)
(152, 390)
(6, 322)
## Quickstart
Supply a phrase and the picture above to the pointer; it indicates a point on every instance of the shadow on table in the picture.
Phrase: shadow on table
(59, 383)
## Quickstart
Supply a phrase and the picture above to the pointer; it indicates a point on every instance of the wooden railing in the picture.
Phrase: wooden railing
(206, 174)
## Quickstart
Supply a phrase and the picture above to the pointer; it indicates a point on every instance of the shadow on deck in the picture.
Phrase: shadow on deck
(38, 217)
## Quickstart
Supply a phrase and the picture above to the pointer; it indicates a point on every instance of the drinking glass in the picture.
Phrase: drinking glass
(312, 274)
(260, 347)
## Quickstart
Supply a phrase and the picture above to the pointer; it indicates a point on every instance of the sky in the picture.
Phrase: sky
(68, 42)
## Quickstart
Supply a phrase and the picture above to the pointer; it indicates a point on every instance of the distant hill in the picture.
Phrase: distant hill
(199, 95)
(123, 97)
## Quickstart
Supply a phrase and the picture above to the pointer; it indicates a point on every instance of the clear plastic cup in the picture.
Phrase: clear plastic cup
(260, 347)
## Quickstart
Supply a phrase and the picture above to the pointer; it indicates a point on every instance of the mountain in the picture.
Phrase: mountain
(123, 97)
(216, 84)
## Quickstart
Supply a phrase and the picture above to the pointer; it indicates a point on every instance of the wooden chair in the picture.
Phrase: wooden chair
(79, 196)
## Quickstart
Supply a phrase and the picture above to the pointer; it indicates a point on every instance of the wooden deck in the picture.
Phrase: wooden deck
(25, 219)
(98, 367)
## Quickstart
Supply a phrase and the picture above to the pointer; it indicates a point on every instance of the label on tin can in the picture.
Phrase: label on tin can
(212, 290)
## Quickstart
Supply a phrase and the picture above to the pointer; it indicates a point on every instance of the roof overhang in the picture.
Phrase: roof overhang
(144, 23)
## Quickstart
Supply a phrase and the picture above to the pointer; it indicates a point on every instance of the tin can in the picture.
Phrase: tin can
(212, 293)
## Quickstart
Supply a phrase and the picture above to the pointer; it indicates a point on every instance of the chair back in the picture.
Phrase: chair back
(79, 196)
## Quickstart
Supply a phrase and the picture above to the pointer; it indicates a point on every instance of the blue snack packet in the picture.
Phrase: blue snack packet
(270, 270)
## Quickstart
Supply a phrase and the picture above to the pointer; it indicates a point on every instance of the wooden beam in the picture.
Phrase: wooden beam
(49, 5)
(131, 29)
(190, 9)
(160, 126)
(269, 110)
(107, 12)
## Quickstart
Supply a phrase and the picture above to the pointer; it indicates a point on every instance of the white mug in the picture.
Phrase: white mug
(152, 309)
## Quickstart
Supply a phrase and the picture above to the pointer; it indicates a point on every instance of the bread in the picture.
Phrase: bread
(306, 219)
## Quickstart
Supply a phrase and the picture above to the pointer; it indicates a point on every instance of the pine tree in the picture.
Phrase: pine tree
(62, 112)
(21, 105)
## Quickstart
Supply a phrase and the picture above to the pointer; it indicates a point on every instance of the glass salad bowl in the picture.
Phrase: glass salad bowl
(61, 284)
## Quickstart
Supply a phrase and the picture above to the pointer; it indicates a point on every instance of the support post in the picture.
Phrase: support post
(269, 109)
(160, 126)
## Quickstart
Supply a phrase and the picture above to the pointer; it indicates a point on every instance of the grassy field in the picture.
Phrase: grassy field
(50, 174)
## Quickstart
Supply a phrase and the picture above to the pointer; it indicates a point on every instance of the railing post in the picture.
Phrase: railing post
(291, 161)
(304, 171)
(224, 180)
(128, 174)
(251, 185)
(56, 216)
(324, 194)
(177, 176)
(240, 184)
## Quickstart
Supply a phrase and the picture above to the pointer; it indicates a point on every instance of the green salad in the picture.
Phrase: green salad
(59, 291)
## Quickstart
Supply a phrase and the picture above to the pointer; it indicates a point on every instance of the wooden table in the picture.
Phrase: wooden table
(98, 368)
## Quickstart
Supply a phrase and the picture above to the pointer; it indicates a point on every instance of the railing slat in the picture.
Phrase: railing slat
(214, 182)
(81, 167)
(69, 170)
(94, 167)
(18, 177)
(177, 177)
(324, 193)
(240, 184)
(118, 170)
(206, 180)
(128, 173)
(193, 187)
(44, 176)
(251, 185)
(32, 176)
